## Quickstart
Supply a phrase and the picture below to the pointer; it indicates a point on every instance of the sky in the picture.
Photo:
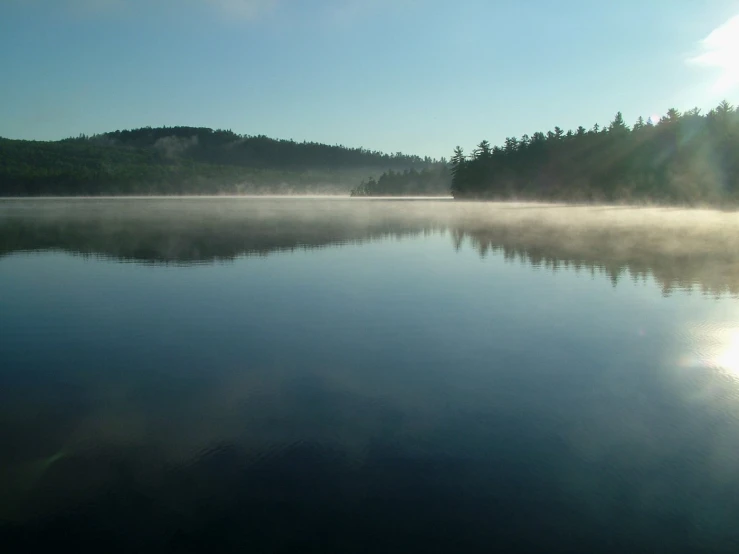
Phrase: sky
(417, 76)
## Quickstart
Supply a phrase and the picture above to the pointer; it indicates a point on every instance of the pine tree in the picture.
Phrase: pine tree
(618, 125)
(458, 160)
(483, 150)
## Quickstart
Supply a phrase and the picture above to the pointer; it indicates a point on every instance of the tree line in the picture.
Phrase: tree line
(431, 181)
(186, 160)
(224, 147)
(687, 158)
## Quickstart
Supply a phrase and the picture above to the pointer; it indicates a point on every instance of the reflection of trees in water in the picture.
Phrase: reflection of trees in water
(199, 234)
(676, 259)
(681, 249)
(204, 475)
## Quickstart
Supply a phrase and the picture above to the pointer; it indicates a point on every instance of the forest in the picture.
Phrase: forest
(682, 158)
(685, 158)
(431, 181)
(187, 160)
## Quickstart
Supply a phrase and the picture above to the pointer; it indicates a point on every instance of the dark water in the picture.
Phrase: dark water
(367, 376)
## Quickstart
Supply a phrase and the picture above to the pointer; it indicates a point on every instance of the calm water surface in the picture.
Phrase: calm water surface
(273, 375)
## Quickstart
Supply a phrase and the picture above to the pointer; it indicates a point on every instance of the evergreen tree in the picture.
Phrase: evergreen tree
(618, 125)
(686, 158)
(458, 160)
(483, 150)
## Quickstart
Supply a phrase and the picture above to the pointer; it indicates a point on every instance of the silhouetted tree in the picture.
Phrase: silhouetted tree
(483, 150)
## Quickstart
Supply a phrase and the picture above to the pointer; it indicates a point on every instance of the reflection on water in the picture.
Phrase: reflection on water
(715, 347)
(393, 376)
(682, 249)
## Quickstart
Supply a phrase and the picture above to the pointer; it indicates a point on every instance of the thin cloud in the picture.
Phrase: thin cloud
(720, 50)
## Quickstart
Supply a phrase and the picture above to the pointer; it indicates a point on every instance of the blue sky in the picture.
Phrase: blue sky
(419, 76)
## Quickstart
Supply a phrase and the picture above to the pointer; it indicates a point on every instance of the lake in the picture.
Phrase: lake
(336, 375)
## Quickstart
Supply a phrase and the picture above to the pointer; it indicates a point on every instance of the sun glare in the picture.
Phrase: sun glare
(720, 50)
(714, 348)
(728, 358)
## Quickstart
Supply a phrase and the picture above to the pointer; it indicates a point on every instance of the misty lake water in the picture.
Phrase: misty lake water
(332, 375)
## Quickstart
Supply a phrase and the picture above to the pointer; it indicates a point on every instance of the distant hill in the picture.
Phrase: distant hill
(188, 160)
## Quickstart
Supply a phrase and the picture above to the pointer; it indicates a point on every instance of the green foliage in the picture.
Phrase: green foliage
(683, 158)
(185, 160)
(433, 181)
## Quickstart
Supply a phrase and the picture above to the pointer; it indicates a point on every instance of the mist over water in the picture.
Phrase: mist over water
(334, 374)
